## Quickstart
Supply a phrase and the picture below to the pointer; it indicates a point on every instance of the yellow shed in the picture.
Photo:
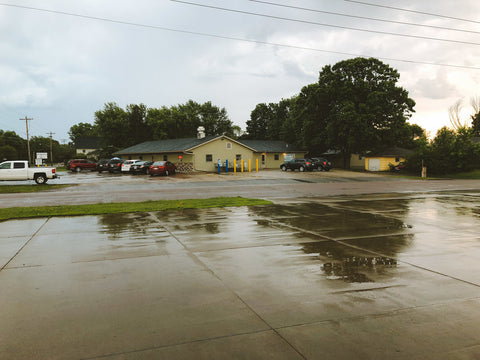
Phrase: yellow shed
(382, 160)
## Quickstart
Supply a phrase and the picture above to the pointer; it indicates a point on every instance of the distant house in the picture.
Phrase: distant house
(87, 144)
(381, 161)
(204, 153)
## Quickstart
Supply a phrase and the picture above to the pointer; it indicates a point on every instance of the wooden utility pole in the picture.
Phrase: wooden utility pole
(51, 151)
(28, 139)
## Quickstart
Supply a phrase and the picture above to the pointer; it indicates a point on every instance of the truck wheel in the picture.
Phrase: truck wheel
(301, 169)
(40, 179)
(283, 167)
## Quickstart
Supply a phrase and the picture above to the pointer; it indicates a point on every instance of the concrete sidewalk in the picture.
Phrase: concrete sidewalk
(391, 277)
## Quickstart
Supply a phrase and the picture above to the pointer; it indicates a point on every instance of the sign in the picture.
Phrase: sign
(288, 157)
(42, 155)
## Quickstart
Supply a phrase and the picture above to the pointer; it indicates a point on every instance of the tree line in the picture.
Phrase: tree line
(118, 128)
(14, 147)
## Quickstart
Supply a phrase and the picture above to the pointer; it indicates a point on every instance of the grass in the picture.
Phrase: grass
(125, 207)
(471, 175)
(10, 189)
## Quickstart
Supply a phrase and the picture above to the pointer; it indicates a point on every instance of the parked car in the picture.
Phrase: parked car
(162, 168)
(127, 165)
(298, 164)
(141, 167)
(102, 165)
(115, 165)
(81, 164)
(322, 164)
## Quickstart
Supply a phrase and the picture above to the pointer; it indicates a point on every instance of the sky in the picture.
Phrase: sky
(60, 61)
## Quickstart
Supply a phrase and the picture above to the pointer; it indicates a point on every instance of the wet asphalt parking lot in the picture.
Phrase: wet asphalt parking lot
(363, 275)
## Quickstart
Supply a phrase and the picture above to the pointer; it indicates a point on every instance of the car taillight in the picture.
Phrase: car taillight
(53, 171)
(324, 163)
(308, 163)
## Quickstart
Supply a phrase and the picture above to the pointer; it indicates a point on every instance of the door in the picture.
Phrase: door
(374, 165)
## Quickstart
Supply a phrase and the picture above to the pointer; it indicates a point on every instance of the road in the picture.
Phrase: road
(90, 187)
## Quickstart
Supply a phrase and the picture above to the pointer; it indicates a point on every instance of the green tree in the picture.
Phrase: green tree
(8, 152)
(112, 127)
(10, 138)
(476, 124)
(366, 109)
(82, 130)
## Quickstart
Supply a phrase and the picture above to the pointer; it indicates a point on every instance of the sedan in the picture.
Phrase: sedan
(141, 167)
(162, 168)
(127, 165)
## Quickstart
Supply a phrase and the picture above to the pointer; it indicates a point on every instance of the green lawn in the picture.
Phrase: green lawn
(10, 189)
(110, 208)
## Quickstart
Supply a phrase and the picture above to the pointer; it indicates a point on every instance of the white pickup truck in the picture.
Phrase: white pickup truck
(19, 170)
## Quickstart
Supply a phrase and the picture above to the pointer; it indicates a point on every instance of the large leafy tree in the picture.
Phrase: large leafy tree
(476, 124)
(269, 121)
(81, 130)
(366, 109)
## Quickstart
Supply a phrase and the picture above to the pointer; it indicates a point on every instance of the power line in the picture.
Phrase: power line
(413, 11)
(365, 17)
(327, 25)
(252, 41)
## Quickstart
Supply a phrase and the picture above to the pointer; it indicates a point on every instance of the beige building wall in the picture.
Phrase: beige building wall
(357, 162)
(384, 162)
(223, 149)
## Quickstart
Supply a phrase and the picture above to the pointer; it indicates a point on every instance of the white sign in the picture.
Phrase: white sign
(42, 155)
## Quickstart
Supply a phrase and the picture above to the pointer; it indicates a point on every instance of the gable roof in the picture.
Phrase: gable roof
(188, 144)
(169, 145)
(270, 146)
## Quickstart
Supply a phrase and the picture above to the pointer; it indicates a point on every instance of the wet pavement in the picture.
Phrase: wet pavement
(387, 276)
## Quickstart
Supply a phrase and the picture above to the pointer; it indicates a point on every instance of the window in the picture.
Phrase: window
(165, 157)
(277, 157)
(18, 165)
(238, 157)
(397, 159)
(209, 158)
(229, 145)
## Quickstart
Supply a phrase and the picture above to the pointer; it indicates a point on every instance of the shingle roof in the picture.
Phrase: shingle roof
(270, 146)
(169, 145)
(185, 144)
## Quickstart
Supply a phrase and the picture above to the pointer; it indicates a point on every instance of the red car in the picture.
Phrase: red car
(162, 168)
(81, 164)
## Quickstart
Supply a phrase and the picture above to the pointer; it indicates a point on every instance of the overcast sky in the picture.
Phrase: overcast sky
(59, 69)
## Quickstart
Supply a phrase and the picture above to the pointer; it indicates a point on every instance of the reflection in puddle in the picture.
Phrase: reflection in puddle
(349, 264)
(350, 269)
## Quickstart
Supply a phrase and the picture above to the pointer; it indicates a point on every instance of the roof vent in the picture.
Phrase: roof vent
(200, 132)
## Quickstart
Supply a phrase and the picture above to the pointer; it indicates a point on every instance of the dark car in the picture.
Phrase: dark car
(141, 167)
(162, 168)
(298, 164)
(322, 164)
(81, 164)
(102, 165)
(115, 165)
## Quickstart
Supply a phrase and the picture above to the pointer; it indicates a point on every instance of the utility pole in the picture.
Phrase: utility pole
(51, 152)
(28, 139)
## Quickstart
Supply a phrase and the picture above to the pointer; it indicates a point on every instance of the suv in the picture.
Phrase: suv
(115, 165)
(81, 164)
(322, 164)
(102, 165)
(300, 164)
